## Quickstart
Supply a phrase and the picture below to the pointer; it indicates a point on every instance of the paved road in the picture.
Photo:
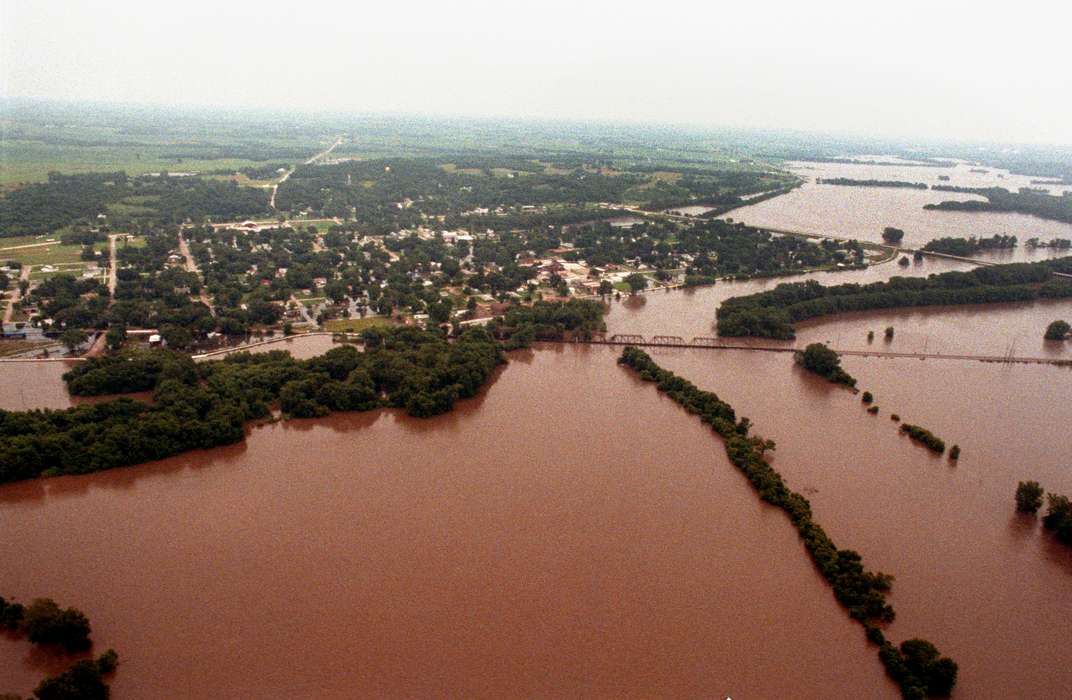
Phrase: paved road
(28, 245)
(112, 265)
(16, 294)
(191, 266)
(310, 161)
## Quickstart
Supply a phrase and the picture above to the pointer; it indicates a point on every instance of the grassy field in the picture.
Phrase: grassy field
(31, 161)
(355, 325)
(16, 241)
(54, 254)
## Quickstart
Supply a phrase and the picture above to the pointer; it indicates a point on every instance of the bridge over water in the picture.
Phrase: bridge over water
(710, 343)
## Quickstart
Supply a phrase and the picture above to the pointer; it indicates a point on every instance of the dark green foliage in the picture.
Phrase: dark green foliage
(637, 282)
(965, 247)
(1028, 497)
(873, 410)
(861, 592)
(924, 437)
(128, 372)
(867, 397)
(73, 337)
(1058, 330)
(954, 452)
(1040, 204)
(82, 681)
(919, 669)
(849, 182)
(552, 320)
(825, 362)
(11, 615)
(772, 313)
(891, 235)
(1059, 517)
(46, 623)
(209, 404)
(69, 199)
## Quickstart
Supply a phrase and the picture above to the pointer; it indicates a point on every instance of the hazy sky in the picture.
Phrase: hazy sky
(948, 69)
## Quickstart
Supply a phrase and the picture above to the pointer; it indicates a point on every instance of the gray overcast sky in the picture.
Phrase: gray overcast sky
(906, 68)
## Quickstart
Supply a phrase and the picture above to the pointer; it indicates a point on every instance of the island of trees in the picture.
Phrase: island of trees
(916, 665)
(826, 363)
(998, 199)
(771, 314)
(1058, 516)
(849, 182)
(46, 624)
(965, 247)
(925, 437)
(1058, 330)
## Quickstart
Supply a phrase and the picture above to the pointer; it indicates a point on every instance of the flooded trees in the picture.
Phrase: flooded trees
(924, 437)
(46, 623)
(1058, 330)
(1028, 497)
(892, 235)
(825, 362)
(916, 666)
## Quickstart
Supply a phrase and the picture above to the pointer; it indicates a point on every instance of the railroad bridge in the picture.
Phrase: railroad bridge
(709, 343)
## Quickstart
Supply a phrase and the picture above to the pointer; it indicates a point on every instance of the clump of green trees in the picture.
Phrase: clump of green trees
(892, 235)
(127, 372)
(1040, 204)
(1058, 516)
(965, 247)
(1029, 496)
(825, 362)
(45, 623)
(1058, 330)
(772, 313)
(924, 437)
(916, 666)
(550, 320)
(84, 680)
(206, 405)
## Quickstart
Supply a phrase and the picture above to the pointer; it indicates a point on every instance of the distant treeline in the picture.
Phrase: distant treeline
(205, 405)
(916, 665)
(771, 314)
(967, 246)
(871, 183)
(923, 163)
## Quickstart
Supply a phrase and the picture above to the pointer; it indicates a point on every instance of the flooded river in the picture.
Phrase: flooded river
(989, 587)
(863, 212)
(533, 542)
(570, 532)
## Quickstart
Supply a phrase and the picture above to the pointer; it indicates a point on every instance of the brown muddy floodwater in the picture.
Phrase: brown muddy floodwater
(997, 329)
(567, 533)
(863, 212)
(989, 587)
